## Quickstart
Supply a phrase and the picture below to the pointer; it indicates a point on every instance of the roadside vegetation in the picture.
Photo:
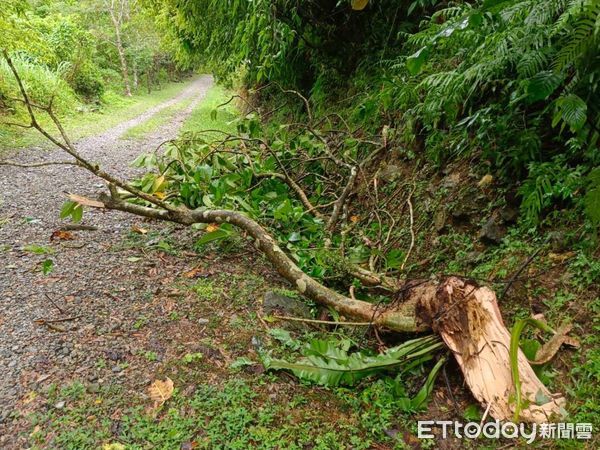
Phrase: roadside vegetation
(67, 54)
(378, 146)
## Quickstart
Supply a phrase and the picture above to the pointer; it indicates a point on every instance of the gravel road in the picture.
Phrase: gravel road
(94, 279)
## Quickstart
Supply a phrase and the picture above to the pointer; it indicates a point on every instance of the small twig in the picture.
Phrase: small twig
(262, 321)
(64, 319)
(485, 414)
(54, 303)
(412, 230)
(521, 269)
(324, 322)
(41, 164)
(449, 388)
(51, 326)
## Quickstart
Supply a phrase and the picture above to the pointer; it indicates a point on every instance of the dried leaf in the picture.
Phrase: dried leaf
(486, 180)
(194, 273)
(138, 230)
(561, 257)
(212, 227)
(551, 348)
(85, 201)
(115, 446)
(161, 391)
(359, 5)
(62, 235)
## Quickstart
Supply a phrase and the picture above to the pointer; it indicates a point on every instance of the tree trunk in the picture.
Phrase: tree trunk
(121, 51)
(464, 314)
(135, 77)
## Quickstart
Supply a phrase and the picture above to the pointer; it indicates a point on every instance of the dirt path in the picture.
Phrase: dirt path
(95, 278)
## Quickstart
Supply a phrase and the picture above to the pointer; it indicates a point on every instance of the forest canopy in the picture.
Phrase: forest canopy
(512, 83)
(77, 51)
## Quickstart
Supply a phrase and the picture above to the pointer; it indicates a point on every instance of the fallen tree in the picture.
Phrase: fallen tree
(465, 315)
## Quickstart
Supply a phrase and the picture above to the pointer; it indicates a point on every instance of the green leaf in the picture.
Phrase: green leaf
(592, 205)
(513, 355)
(47, 266)
(67, 209)
(542, 85)
(530, 347)
(77, 213)
(573, 110)
(420, 400)
(329, 363)
(472, 413)
(241, 362)
(216, 235)
(285, 338)
(38, 249)
(415, 61)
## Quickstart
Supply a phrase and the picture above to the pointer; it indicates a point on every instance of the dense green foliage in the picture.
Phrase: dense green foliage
(66, 51)
(513, 83)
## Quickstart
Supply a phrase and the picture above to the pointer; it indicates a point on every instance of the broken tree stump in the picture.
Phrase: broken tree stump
(468, 319)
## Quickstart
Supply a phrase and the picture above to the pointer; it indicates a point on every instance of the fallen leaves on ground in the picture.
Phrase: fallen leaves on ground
(194, 273)
(139, 230)
(62, 235)
(212, 227)
(160, 391)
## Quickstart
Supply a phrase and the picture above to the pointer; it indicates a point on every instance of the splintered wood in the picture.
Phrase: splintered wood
(468, 319)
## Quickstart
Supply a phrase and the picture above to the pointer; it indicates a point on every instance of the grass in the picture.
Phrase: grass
(115, 109)
(159, 119)
(203, 117)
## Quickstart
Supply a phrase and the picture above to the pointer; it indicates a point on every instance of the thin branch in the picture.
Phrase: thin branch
(412, 230)
(41, 164)
(296, 187)
(324, 322)
(68, 147)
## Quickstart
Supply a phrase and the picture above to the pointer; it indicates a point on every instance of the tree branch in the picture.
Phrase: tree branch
(41, 164)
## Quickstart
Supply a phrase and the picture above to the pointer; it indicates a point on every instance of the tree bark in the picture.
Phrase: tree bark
(464, 314)
(117, 19)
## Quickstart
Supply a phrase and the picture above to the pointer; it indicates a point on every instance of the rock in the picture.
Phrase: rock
(389, 173)
(558, 241)
(203, 321)
(450, 181)
(439, 219)
(274, 303)
(509, 214)
(117, 369)
(60, 405)
(492, 232)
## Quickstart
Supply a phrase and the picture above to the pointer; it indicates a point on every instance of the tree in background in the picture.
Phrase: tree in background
(119, 13)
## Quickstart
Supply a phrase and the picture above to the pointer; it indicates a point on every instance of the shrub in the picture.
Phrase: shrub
(87, 81)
